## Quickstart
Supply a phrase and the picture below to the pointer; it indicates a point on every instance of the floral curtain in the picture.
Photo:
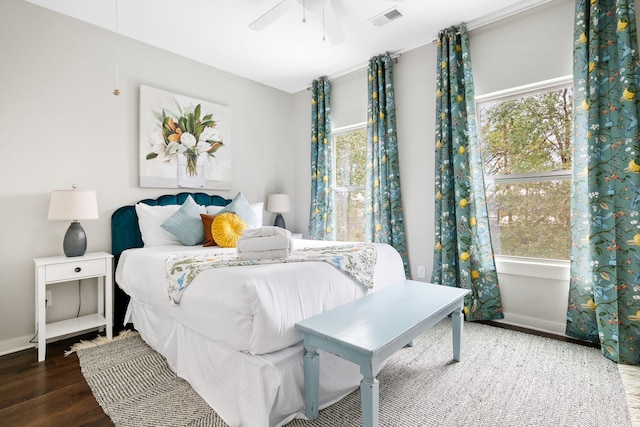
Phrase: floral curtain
(321, 220)
(463, 255)
(604, 294)
(384, 221)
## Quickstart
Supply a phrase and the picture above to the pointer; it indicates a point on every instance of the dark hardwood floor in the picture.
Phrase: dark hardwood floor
(49, 393)
(54, 392)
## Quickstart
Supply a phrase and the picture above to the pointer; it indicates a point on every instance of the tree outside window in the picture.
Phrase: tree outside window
(350, 157)
(526, 151)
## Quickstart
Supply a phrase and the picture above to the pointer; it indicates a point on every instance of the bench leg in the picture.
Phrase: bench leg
(369, 395)
(456, 323)
(311, 381)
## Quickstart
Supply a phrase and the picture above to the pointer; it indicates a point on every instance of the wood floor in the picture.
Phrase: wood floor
(49, 393)
(54, 392)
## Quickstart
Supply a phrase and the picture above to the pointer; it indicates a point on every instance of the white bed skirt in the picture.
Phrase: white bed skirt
(245, 390)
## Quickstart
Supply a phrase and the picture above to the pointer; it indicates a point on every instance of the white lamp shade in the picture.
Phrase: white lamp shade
(73, 205)
(278, 203)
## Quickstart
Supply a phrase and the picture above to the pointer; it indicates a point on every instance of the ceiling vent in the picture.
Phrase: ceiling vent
(385, 17)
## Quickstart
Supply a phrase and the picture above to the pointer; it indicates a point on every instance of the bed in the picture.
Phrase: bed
(232, 335)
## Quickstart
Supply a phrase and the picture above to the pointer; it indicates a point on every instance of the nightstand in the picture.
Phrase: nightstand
(66, 269)
(296, 235)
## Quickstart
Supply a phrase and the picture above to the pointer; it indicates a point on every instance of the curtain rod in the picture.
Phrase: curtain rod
(501, 14)
(357, 68)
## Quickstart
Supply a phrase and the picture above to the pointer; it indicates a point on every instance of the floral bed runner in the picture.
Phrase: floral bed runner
(357, 260)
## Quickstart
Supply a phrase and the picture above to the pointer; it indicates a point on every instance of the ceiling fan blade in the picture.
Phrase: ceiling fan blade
(332, 26)
(271, 15)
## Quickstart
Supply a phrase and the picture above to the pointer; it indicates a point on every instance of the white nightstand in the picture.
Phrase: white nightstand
(296, 235)
(65, 269)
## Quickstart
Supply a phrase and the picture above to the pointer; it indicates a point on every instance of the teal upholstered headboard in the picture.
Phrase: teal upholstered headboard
(125, 232)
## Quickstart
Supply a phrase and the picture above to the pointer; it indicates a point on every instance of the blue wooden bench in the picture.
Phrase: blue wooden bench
(369, 330)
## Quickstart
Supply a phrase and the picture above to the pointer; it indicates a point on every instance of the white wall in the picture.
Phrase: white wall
(527, 48)
(63, 126)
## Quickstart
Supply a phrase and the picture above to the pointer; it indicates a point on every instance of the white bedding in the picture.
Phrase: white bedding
(250, 308)
(244, 390)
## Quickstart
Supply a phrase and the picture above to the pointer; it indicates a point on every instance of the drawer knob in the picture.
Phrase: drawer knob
(77, 270)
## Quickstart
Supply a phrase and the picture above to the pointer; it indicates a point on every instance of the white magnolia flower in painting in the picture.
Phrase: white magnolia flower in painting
(188, 140)
(210, 134)
(202, 146)
(159, 147)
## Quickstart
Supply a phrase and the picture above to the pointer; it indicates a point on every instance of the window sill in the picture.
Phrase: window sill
(532, 267)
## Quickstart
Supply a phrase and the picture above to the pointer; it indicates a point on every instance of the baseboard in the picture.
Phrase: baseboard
(533, 323)
(23, 343)
(16, 344)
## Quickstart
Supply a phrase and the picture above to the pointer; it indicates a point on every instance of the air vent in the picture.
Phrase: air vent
(385, 17)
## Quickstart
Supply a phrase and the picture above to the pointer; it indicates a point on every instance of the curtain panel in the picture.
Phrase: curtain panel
(321, 222)
(463, 255)
(604, 294)
(384, 219)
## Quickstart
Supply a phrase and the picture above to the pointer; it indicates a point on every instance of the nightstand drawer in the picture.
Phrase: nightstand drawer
(73, 270)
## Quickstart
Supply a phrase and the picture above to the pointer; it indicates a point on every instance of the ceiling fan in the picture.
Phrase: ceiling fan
(330, 24)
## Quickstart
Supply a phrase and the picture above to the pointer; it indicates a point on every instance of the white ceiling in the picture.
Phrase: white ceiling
(287, 54)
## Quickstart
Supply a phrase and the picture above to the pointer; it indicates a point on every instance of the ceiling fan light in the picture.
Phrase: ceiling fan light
(314, 5)
(331, 28)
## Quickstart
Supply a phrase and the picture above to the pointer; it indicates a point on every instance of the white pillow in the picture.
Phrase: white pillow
(214, 210)
(258, 208)
(150, 219)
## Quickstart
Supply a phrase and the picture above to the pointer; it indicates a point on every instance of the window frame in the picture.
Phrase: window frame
(562, 175)
(336, 132)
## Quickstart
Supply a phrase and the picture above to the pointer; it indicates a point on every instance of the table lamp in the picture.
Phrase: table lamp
(73, 205)
(278, 203)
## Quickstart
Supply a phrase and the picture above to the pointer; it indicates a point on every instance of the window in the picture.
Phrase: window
(350, 148)
(525, 140)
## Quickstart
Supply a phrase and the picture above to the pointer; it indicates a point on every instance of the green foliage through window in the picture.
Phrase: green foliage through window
(526, 150)
(350, 154)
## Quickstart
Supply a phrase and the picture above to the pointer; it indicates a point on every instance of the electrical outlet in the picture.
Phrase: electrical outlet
(49, 298)
(422, 272)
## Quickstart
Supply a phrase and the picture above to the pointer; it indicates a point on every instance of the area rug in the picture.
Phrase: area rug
(505, 378)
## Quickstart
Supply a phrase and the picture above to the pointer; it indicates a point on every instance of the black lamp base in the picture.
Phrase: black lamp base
(75, 240)
(279, 221)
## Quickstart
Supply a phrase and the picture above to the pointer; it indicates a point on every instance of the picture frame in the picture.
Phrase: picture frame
(184, 142)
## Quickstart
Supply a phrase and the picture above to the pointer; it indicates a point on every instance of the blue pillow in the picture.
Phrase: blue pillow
(186, 224)
(241, 207)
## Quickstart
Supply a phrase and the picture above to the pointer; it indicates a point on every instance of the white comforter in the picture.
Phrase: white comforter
(250, 308)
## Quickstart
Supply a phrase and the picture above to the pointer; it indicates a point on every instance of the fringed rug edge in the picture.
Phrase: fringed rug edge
(100, 340)
(630, 376)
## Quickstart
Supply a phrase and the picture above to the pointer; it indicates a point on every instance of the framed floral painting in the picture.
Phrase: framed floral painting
(184, 142)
